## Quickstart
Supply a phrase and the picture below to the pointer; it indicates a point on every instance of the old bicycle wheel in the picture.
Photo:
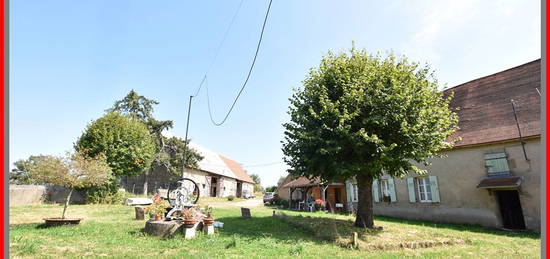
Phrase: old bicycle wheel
(186, 190)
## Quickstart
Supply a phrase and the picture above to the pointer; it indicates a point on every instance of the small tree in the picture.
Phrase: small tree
(72, 171)
(271, 188)
(359, 116)
(257, 183)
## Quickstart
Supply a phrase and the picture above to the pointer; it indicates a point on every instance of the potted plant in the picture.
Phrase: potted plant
(157, 208)
(209, 220)
(70, 171)
(189, 219)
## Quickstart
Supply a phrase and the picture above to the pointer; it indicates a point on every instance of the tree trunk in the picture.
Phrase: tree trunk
(364, 216)
(145, 184)
(67, 203)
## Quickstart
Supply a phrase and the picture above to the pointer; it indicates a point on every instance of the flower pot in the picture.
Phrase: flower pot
(208, 221)
(158, 217)
(54, 222)
(189, 223)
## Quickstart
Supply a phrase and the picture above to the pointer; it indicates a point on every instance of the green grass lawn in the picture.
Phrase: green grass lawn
(111, 231)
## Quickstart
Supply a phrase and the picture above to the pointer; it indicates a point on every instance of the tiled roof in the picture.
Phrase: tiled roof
(215, 163)
(485, 109)
(237, 170)
(301, 182)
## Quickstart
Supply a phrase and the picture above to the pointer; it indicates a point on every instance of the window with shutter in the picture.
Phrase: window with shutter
(424, 189)
(497, 164)
(384, 189)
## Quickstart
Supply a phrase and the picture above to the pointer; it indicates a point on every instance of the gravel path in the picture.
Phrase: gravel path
(249, 203)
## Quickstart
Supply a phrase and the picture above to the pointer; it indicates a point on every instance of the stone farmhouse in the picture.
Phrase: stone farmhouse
(492, 176)
(217, 176)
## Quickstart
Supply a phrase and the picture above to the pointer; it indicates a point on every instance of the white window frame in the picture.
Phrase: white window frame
(355, 197)
(384, 188)
(425, 183)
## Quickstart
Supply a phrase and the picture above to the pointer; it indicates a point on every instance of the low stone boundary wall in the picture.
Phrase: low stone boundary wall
(35, 194)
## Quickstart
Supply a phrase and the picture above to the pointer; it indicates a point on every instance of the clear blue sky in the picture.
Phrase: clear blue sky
(70, 60)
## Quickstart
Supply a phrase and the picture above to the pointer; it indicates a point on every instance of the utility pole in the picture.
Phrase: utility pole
(186, 133)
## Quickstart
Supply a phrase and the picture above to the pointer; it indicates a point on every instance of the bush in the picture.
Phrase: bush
(106, 194)
(230, 197)
(283, 203)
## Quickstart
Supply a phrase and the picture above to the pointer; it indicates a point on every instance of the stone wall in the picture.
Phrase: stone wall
(20, 195)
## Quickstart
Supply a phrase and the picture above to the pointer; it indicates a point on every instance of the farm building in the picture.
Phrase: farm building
(217, 176)
(491, 177)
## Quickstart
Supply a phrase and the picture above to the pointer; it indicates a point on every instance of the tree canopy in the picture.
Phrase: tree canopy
(359, 116)
(20, 173)
(125, 141)
(168, 151)
(257, 182)
(72, 171)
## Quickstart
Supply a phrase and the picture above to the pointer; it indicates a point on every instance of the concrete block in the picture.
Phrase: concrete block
(208, 230)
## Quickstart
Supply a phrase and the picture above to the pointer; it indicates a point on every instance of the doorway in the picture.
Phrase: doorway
(214, 187)
(239, 189)
(337, 195)
(510, 209)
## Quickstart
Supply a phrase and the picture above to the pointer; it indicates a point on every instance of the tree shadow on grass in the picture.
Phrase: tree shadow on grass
(290, 227)
(462, 227)
(263, 227)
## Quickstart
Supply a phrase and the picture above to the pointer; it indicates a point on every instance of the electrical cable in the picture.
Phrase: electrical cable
(260, 165)
(247, 77)
(219, 48)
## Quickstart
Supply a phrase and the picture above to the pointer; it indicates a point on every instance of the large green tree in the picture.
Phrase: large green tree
(169, 152)
(125, 142)
(359, 116)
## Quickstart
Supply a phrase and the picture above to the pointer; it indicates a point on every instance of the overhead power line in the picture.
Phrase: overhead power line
(219, 48)
(247, 76)
(266, 164)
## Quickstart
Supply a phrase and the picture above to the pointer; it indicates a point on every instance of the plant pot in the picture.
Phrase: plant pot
(189, 223)
(158, 217)
(208, 221)
(54, 222)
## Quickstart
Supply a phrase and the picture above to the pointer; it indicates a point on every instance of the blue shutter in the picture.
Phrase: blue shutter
(375, 191)
(391, 186)
(410, 185)
(434, 188)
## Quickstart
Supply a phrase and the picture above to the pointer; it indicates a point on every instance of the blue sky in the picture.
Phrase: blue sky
(70, 60)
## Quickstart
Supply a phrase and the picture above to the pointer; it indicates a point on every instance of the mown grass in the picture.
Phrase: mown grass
(111, 231)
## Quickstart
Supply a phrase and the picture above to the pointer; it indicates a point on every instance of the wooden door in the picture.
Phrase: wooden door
(510, 209)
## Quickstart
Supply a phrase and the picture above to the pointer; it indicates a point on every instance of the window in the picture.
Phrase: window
(384, 188)
(496, 164)
(354, 193)
(424, 189)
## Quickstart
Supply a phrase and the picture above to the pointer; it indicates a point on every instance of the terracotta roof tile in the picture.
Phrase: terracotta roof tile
(485, 110)
(302, 181)
(237, 170)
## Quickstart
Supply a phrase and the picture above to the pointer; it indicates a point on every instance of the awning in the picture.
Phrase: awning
(503, 182)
